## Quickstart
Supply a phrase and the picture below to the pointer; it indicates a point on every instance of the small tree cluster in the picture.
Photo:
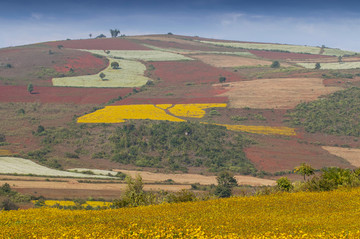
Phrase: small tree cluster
(226, 182)
(275, 64)
(114, 32)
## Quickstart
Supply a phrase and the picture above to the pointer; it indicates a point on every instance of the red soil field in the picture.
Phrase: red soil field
(60, 94)
(99, 44)
(285, 55)
(134, 101)
(182, 72)
(276, 154)
(82, 63)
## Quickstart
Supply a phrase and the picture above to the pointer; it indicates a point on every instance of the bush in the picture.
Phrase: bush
(317, 66)
(8, 205)
(275, 64)
(284, 184)
(222, 79)
(114, 65)
(181, 196)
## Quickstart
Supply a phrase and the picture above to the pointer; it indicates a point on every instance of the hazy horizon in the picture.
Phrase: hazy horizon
(331, 23)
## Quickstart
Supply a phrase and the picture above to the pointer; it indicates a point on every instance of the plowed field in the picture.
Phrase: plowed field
(99, 44)
(230, 61)
(60, 94)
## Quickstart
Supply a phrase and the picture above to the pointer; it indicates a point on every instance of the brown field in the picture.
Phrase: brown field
(328, 59)
(194, 178)
(276, 154)
(230, 61)
(351, 155)
(280, 93)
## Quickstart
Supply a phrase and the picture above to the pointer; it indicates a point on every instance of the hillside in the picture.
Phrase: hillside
(175, 104)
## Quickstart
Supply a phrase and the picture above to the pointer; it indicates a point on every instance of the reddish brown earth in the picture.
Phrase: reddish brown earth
(285, 55)
(196, 72)
(99, 44)
(133, 101)
(277, 154)
(60, 94)
(81, 64)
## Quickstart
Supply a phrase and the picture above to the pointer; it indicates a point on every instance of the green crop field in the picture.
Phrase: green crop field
(12, 165)
(282, 47)
(147, 55)
(332, 65)
(129, 74)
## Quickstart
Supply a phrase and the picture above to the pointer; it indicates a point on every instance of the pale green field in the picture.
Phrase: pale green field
(129, 74)
(12, 165)
(95, 171)
(147, 55)
(332, 65)
(282, 47)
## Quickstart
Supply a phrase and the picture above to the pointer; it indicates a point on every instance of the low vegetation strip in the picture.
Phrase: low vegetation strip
(282, 47)
(267, 130)
(51, 203)
(337, 114)
(121, 113)
(12, 165)
(128, 74)
(148, 55)
(332, 65)
(318, 215)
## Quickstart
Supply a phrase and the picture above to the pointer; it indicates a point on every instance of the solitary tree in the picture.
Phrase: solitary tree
(114, 32)
(275, 64)
(90, 35)
(340, 59)
(114, 65)
(222, 79)
(226, 182)
(102, 75)
(30, 88)
(317, 66)
(284, 184)
(305, 170)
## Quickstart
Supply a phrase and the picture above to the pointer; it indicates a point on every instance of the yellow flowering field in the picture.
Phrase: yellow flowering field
(268, 130)
(120, 113)
(71, 203)
(285, 215)
(5, 152)
(193, 110)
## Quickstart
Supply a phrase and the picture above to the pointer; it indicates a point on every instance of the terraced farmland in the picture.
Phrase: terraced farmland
(129, 74)
(332, 65)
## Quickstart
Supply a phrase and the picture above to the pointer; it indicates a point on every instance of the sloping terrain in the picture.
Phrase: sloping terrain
(102, 104)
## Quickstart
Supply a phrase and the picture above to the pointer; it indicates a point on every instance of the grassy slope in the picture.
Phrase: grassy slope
(296, 215)
(337, 114)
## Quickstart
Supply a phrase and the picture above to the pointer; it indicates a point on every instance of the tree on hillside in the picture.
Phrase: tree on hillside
(101, 36)
(222, 79)
(114, 32)
(305, 170)
(114, 65)
(275, 64)
(317, 66)
(102, 75)
(30, 88)
(340, 59)
(226, 182)
(90, 35)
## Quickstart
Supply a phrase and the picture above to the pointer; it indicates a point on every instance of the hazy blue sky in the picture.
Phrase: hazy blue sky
(331, 23)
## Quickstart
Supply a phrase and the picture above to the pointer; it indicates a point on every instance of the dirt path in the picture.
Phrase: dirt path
(351, 155)
(194, 178)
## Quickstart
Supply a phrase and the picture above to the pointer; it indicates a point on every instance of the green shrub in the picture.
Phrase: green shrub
(284, 184)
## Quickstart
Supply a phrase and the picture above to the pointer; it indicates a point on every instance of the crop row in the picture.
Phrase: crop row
(256, 129)
(282, 47)
(332, 65)
(128, 74)
(144, 55)
(286, 215)
(120, 113)
(12, 165)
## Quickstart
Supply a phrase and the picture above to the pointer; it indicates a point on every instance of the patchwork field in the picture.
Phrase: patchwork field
(287, 55)
(121, 113)
(195, 100)
(332, 65)
(282, 47)
(59, 95)
(230, 61)
(129, 74)
(12, 165)
(349, 154)
(148, 55)
(281, 93)
(99, 44)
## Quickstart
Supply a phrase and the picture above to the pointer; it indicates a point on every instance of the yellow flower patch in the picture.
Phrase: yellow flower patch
(120, 113)
(268, 130)
(5, 152)
(193, 110)
(71, 203)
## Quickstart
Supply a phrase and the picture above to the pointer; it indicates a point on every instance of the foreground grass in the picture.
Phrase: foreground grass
(299, 215)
